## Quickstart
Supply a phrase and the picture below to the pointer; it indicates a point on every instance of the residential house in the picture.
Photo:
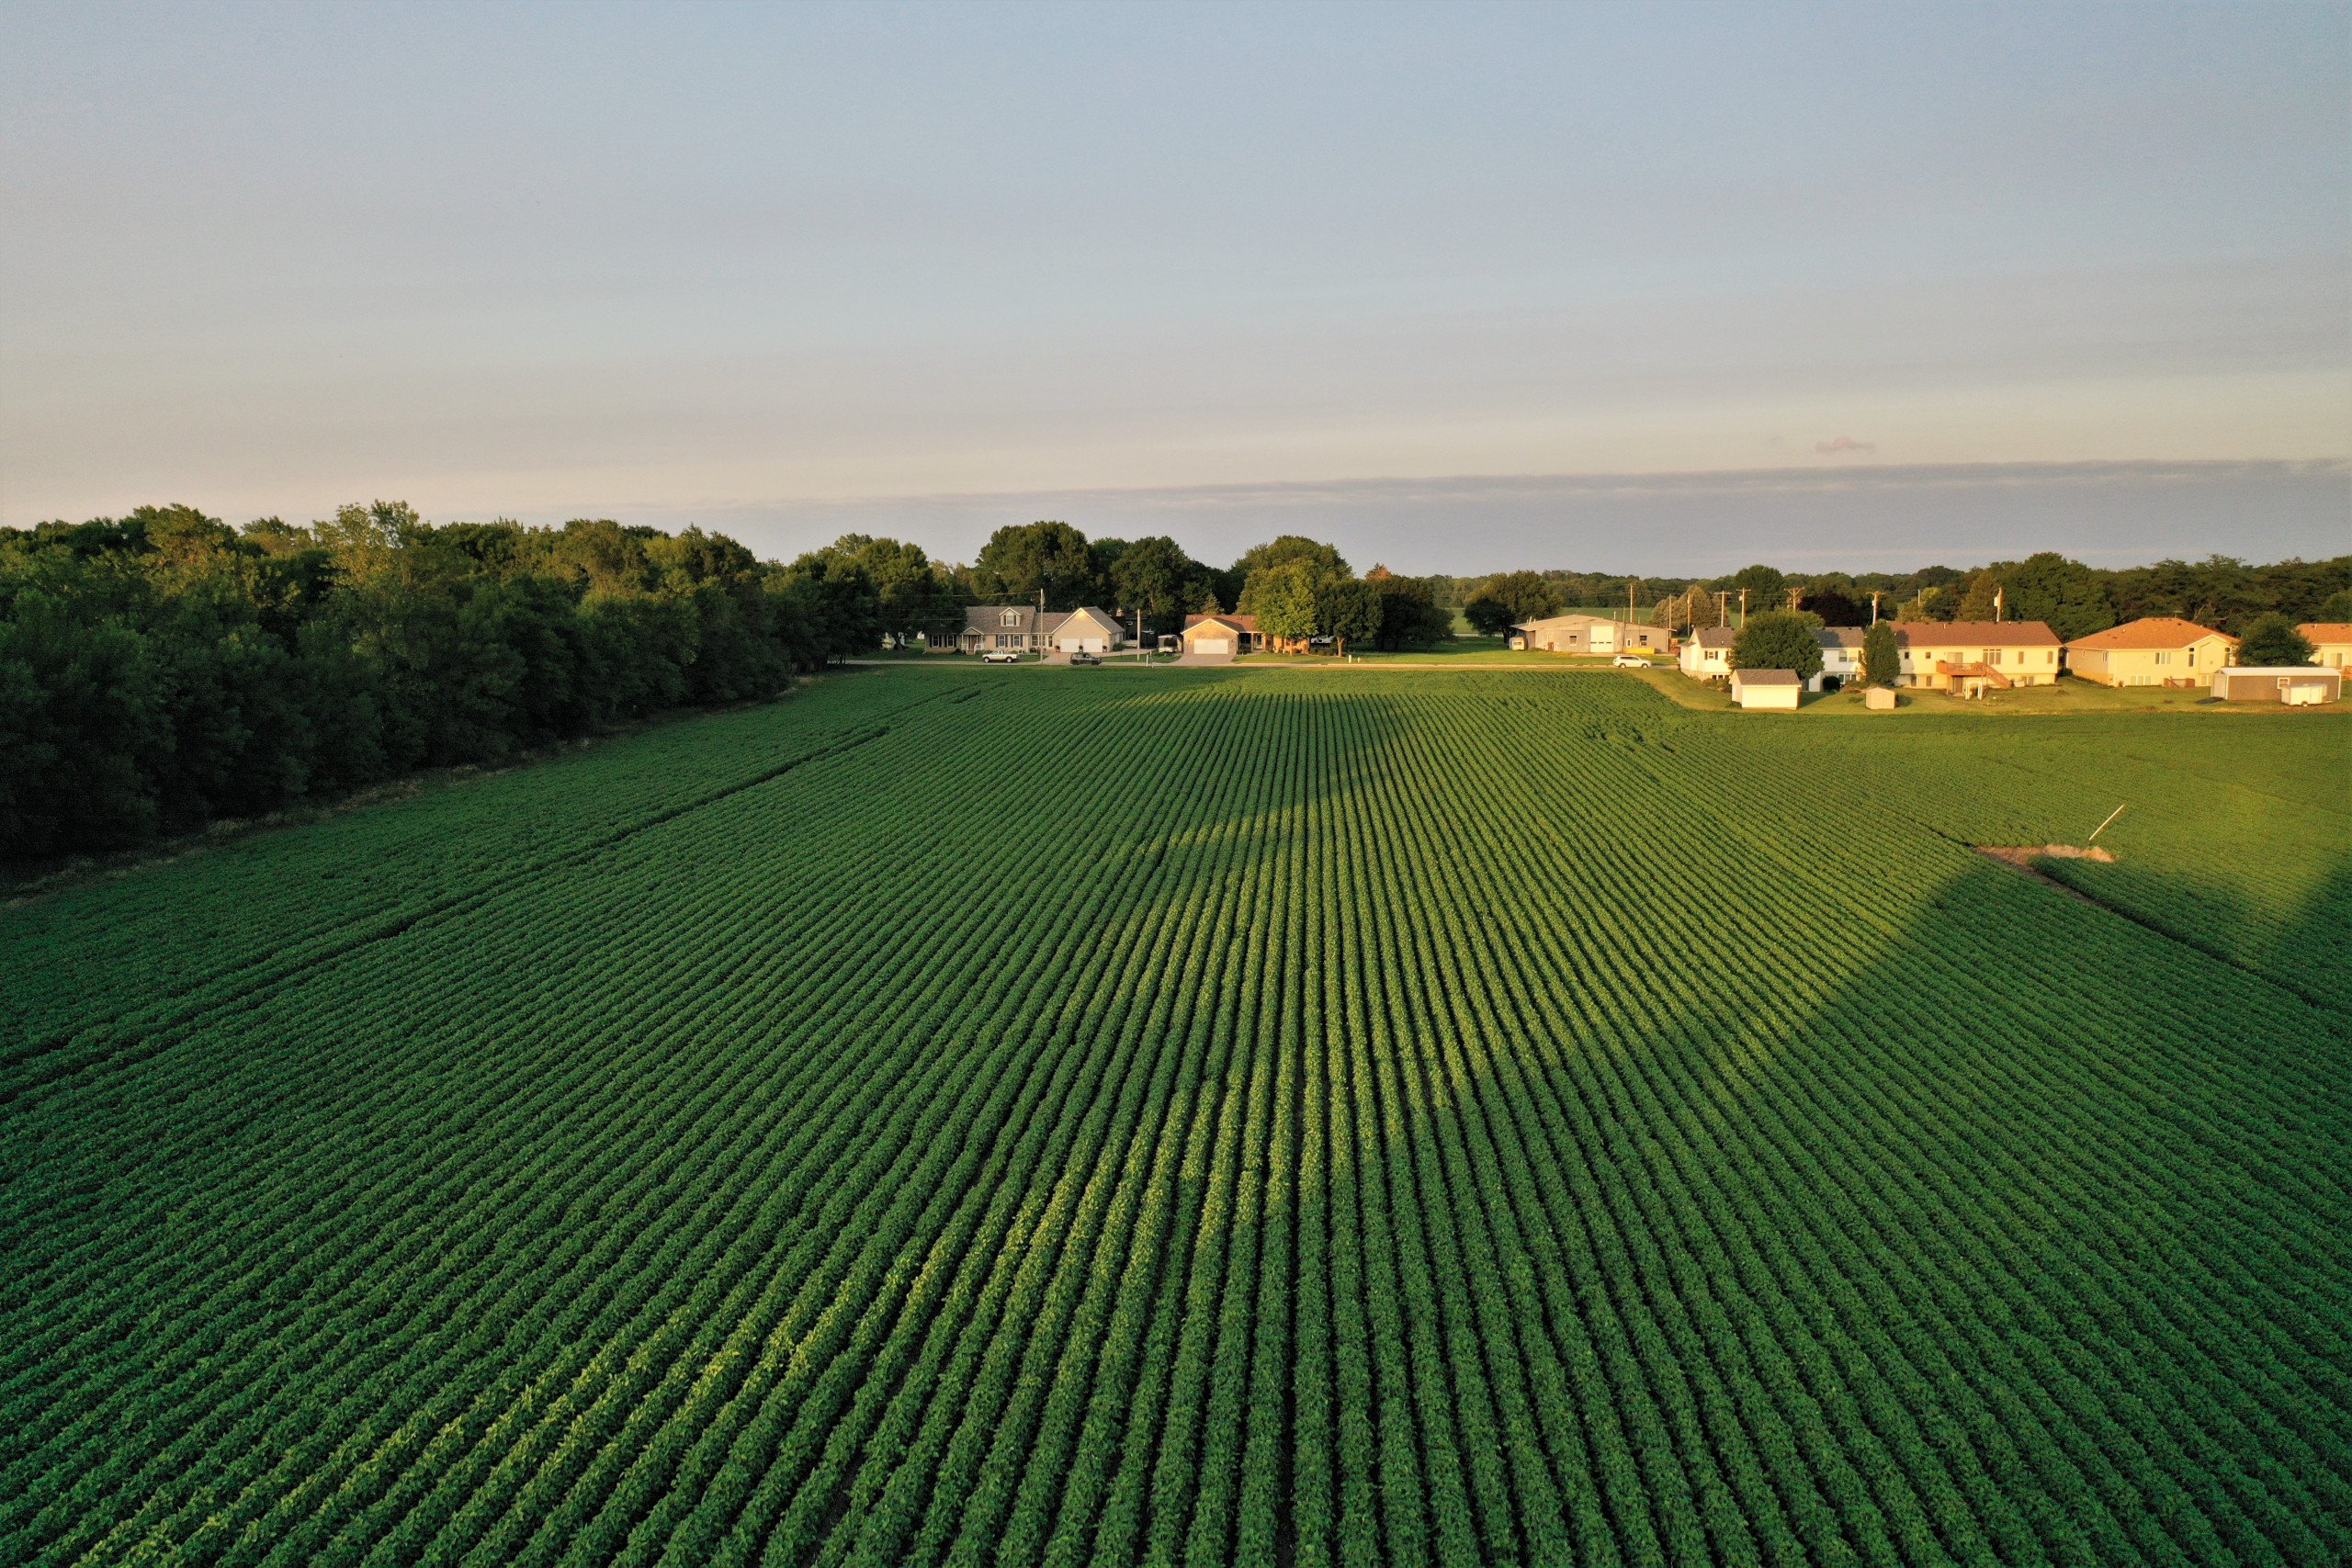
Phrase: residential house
(1089, 630)
(2297, 686)
(1008, 629)
(1970, 658)
(1841, 658)
(1219, 636)
(2154, 650)
(1593, 633)
(1765, 688)
(2331, 642)
(1706, 653)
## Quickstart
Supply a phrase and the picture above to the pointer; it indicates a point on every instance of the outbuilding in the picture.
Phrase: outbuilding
(1581, 633)
(1765, 688)
(2297, 686)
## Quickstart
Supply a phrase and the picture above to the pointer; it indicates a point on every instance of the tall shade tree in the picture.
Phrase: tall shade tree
(1778, 639)
(2272, 640)
(1347, 610)
(1023, 558)
(912, 593)
(1523, 595)
(1283, 600)
(1882, 656)
(1766, 588)
(1154, 575)
(2048, 587)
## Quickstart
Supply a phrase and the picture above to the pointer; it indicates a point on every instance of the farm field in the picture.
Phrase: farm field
(1035, 1115)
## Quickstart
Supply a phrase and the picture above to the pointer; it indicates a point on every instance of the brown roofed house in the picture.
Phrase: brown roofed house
(1220, 637)
(2154, 650)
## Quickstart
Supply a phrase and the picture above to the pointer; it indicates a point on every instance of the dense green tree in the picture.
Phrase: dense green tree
(1778, 639)
(1322, 561)
(1488, 615)
(1020, 560)
(1881, 655)
(2272, 640)
(2335, 608)
(1155, 576)
(2070, 597)
(1347, 610)
(1283, 600)
(1411, 614)
(1766, 587)
(1835, 605)
(912, 593)
(1524, 595)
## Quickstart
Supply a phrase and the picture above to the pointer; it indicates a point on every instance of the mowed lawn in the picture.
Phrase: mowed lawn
(1151, 1115)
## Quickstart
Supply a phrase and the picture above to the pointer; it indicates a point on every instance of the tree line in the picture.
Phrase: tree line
(162, 670)
(2076, 600)
(1301, 592)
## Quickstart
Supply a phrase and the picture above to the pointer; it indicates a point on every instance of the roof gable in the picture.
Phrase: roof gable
(2326, 631)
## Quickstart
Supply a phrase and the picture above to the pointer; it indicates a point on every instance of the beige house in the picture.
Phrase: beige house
(1765, 688)
(2331, 642)
(2155, 650)
(1970, 658)
(1593, 633)
(1089, 630)
(1216, 636)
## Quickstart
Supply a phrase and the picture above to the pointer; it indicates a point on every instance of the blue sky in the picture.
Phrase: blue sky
(1655, 288)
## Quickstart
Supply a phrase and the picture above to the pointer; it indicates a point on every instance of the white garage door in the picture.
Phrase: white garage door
(1212, 644)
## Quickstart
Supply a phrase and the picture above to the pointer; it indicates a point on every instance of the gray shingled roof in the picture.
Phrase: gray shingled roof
(1766, 677)
(1715, 637)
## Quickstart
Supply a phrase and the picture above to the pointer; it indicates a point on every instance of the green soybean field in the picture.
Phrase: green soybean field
(1275, 1116)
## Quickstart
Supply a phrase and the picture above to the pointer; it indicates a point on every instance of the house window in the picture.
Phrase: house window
(2163, 656)
(1009, 618)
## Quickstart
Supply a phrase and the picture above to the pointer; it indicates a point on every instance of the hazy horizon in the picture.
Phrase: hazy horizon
(1620, 288)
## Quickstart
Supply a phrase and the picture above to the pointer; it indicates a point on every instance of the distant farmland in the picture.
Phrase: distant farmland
(1285, 1116)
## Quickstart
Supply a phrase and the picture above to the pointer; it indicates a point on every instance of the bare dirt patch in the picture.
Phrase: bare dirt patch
(2022, 856)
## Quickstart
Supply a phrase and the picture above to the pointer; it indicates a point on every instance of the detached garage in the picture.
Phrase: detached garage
(1765, 688)
(1220, 637)
(1089, 630)
(2297, 686)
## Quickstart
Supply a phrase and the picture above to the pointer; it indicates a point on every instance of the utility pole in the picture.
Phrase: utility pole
(1874, 593)
(1743, 607)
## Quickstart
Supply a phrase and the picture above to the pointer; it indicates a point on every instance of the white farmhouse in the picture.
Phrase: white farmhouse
(1706, 653)
(1841, 657)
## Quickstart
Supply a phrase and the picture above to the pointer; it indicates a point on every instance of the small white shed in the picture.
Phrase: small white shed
(1765, 688)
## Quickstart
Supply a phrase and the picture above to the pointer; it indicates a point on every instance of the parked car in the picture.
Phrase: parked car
(1086, 658)
(1001, 655)
(1630, 662)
